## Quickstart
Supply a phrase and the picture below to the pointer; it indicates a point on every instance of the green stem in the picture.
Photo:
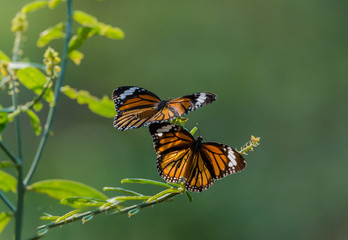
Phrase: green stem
(104, 210)
(9, 153)
(7, 202)
(56, 95)
(20, 203)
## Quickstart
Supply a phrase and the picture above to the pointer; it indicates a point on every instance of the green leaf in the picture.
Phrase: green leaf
(4, 219)
(4, 57)
(53, 3)
(3, 120)
(49, 217)
(32, 78)
(35, 122)
(76, 56)
(31, 7)
(164, 192)
(122, 190)
(77, 40)
(50, 34)
(79, 202)
(103, 107)
(84, 19)
(67, 215)
(112, 32)
(37, 106)
(60, 189)
(7, 164)
(188, 196)
(145, 181)
(7, 182)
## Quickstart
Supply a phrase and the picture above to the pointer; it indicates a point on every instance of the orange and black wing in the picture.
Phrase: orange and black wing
(186, 104)
(135, 107)
(173, 146)
(212, 161)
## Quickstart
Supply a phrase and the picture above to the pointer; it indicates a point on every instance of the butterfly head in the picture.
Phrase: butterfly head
(161, 104)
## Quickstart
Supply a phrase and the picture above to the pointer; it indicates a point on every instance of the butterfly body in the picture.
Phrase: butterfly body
(137, 107)
(198, 163)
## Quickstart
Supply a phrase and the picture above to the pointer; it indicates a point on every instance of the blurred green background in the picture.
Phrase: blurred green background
(280, 71)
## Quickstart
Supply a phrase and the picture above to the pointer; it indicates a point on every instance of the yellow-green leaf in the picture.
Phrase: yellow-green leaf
(76, 56)
(78, 39)
(37, 106)
(35, 122)
(84, 19)
(3, 120)
(103, 107)
(4, 219)
(113, 32)
(53, 3)
(32, 79)
(31, 7)
(4, 57)
(50, 34)
(80, 202)
(60, 189)
(7, 182)
(7, 164)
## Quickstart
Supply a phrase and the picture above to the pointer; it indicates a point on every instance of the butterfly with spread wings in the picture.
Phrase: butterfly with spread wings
(137, 107)
(180, 156)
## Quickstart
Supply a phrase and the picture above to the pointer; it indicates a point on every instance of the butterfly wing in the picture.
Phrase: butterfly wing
(173, 146)
(213, 161)
(135, 107)
(186, 104)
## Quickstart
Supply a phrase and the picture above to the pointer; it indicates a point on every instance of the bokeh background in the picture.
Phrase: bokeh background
(280, 71)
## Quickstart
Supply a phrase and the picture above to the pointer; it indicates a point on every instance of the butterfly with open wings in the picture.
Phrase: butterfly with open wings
(180, 156)
(137, 107)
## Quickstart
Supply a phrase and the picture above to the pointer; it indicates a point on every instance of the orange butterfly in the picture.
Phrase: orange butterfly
(137, 107)
(180, 156)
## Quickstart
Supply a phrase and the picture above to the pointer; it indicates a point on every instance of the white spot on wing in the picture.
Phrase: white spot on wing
(128, 92)
(160, 134)
(164, 129)
(232, 158)
(201, 99)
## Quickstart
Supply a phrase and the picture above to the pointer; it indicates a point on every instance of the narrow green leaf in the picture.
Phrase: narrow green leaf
(21, 65)
(188, 196)
(84, 19)
(4, 57)
(60, 189)
(69, 214)
(87, 218)
(145, 181)
(76, 56)
(7, 164)
(31, 7)
(7, 182)
(53, 3)
(42, 231)
(49, 217)
(78, 39)
(132, 212)
(164, 192)
(79, 202)
(35, 122)
(4, 219)
(50, 34)
(32, 79)
(122, 190)
(103, 107)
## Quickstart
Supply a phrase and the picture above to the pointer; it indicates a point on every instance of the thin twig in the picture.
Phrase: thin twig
(7, 202)
(52, 109)
(9, 153)
(105, 210)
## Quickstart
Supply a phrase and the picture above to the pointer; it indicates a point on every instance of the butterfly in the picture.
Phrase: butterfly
(181, 156)
(137, 107)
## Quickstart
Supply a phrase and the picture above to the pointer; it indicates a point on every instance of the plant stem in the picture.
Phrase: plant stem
(20, 186)
(9, 153)
(7, 202)
(105, 210)
(52, 109)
